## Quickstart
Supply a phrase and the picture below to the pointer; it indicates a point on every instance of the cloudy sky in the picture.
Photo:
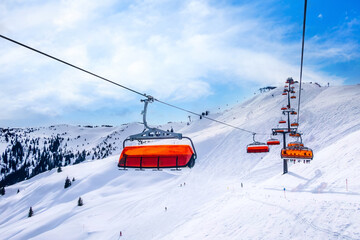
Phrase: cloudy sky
(196, 54)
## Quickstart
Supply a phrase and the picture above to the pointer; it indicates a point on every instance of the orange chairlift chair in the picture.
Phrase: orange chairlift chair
(257, 147)
(279, 130)
(296, 143)
(290, 80)
(282, 121)
(273, 141)
(294, 124)
(295, 134)
(296, 151)
(156, 156)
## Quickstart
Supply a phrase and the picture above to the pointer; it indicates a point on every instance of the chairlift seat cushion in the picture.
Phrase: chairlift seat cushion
(154, 156)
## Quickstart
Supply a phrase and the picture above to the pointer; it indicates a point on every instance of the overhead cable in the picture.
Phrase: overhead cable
(71, 65)
(302, 59)
(122, 86)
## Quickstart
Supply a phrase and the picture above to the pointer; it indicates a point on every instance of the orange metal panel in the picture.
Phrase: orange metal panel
(297, 153)
(273, 142)
(153, 156)
(291, 144)
(257, 149)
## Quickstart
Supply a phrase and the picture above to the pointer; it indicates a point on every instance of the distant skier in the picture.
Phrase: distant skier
(241, 185)
(284, 192)
(165, 209)
(184, 184)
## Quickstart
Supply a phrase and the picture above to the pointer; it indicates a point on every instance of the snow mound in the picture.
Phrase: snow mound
(320, 200)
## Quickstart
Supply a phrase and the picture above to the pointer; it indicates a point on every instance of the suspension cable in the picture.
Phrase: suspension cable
(71, 65)
(212, 119)
(302, 59)
(122, 86)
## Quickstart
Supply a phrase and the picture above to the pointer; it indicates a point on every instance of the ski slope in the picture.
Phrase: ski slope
(207, 201)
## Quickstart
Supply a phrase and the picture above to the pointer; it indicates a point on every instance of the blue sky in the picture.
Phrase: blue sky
(196, 54)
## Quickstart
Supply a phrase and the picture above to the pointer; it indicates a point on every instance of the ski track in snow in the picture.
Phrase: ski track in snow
(301, 219)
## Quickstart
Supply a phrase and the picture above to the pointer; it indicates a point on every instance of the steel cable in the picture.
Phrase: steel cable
(127, 88)
(302, 59)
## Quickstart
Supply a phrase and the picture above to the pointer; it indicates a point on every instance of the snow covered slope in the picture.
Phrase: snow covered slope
(321, 200)
(26, 152)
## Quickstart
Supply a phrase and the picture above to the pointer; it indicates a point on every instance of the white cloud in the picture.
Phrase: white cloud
(334, 46)
(164, 48)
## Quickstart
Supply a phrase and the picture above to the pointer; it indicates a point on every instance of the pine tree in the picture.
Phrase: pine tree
(80, 202)
(18, 190)
(31, 212)
(59, 169)
(73, 179)
(67, 183)
(2, 191)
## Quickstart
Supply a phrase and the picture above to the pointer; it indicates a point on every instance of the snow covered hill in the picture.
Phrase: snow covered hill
(321, 199)
(24, 153)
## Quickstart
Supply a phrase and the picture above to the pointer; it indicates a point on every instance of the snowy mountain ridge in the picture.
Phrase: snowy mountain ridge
(26, 152)
(320, 200)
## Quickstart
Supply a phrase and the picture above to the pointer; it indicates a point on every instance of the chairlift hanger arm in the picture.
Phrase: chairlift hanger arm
(151, 133)
(146, 102)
